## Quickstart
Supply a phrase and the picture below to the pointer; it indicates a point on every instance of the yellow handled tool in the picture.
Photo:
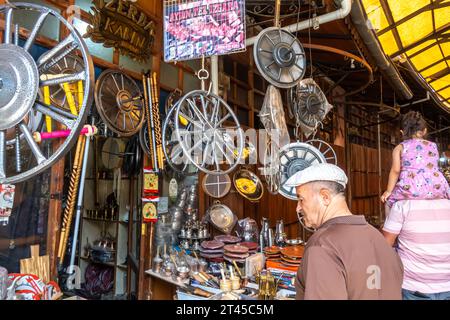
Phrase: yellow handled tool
(48, 120)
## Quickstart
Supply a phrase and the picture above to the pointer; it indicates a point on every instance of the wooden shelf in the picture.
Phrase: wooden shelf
(101, 220)
(167, 279)
(109, 264)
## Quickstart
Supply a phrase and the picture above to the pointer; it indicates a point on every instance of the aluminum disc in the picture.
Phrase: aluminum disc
(312, 105)
(19, 84)
(279, 57)
(216, 186)
(296, 157)
(119, 102)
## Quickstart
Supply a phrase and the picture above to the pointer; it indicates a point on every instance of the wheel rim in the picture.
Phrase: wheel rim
(209, 138)
(38, 77)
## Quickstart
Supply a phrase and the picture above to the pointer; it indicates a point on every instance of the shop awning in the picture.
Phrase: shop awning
(419, 31)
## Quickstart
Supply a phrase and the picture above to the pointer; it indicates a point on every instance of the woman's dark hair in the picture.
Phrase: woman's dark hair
(411, 123)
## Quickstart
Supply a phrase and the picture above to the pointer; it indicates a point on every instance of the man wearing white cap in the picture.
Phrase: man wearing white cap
(346, 258)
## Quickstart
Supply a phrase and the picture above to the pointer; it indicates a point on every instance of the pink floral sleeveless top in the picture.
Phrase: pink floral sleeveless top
(420, 178)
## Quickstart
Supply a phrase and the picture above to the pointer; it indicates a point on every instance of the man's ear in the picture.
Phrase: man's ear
(326, 195)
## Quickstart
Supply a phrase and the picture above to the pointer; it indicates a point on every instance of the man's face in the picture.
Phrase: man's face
(309, 205)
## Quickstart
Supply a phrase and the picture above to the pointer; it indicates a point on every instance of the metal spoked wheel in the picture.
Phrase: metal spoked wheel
(172, 99)
(173, 153)
(272, 170)
(22, 77)
(209, 142)
(296, 157)
(69, 64)
(119, 102)
(327, 151)
(280, 57)
(312, 105)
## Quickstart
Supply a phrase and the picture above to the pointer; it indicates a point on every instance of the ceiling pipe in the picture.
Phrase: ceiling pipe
(360, 20)
(341, 13)
(346, 6)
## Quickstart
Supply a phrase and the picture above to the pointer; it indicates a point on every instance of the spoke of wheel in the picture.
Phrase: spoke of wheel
(205, 154)
(32, 144)
(2, 154)
(299, 67)
(117, 117)
(215, 111)
(63, 79)
(279, 74)
(56, 92)
(269, 39)
(218, 124)
(56, 114)
(204, 106)
(265, 51)
(176, 153)
(215, 160)
(39, 22)
(267, 67)
(123, 84)
(131, 120)
(115, 82)
(223, 142)
(124, 122)
(8, 20)
(292, 76)
(190, 120)
(229, 160)
(190, 132)
(193, 147)
(198, 113)
(51, 54)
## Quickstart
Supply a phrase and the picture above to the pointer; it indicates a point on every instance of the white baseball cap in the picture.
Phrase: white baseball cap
(318, 172)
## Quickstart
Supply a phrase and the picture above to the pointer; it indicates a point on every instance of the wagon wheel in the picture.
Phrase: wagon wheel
(327, 151)
(296, 157)
(22, 77)
(69, 64)
(171, 146)
(119, 102)
(209, 143)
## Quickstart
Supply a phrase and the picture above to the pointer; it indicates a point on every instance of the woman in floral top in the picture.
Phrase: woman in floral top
(415, 172)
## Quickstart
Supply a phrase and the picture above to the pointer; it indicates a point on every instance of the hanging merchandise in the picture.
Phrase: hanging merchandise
(221, 217)
(119, 102)
(150, 181)
(173, 152)
(132, 163)
(23, 77)
(153, 123)
(112, 153)
(296, 157)
(274, 122)
(279, 57)
(215, 135)
(216, 186)
(62, 95)
(248, 185)
(7, 192)
(327, 151)
(172, 99)
(311, 106)
(193, 29)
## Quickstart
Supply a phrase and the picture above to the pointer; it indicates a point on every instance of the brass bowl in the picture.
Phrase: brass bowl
(251, 187)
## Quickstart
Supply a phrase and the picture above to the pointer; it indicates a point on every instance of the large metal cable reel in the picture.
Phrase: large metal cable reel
(312, 105)
(214, 143)
(173, 153)
(296, 157)
(119, 102)
(22, 77)
(279, 57)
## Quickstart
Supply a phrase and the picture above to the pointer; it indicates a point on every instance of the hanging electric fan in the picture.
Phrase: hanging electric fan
(119, 102)
(279, 57)
(311, 105)
(296, 157)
